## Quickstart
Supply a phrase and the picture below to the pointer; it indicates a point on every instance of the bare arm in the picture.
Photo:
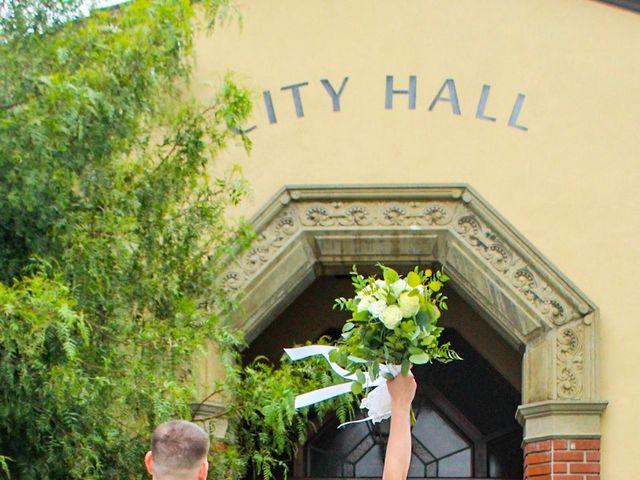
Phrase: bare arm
(398, 456)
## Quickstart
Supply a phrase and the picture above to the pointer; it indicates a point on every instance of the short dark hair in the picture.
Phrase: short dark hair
(178, 447)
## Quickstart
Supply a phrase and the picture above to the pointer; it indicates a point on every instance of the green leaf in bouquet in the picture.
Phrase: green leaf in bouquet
(375, 370)
(348, 326)
(431, 311)
(357, 280)
(413, 279)
(343, 357)
(454, 355)
(355, 359)
(385, 352)
(416, 334)
(415, 351)
(435, 285)
(390, 275)
(334, 356)
(420, 358)
(406, 365)
(451, 354)
(443, 306)
(429, 329)
(422, 319)
(410, 330)
(360, 377)
(445, 355)
(359, 316)
(387, 376)
(428, 340)
(356, 388)
(343, 304)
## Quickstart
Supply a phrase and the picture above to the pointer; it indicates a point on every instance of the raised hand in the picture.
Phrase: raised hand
(398, 455)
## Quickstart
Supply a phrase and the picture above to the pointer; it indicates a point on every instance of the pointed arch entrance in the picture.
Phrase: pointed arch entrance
(305, 232)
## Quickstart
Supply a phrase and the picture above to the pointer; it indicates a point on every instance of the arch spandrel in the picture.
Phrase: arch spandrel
(305, 231)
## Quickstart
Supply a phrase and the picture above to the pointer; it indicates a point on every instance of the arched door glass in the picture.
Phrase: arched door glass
(357, 451)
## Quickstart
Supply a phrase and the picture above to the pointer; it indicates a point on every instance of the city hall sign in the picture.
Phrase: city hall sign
(444, 98)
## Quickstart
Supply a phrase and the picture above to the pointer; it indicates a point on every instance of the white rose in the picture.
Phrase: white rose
(376, 308)
(380, 295)
(364, 303)
(391, 316)
(381, 283)
(409, 305)
(398, 287)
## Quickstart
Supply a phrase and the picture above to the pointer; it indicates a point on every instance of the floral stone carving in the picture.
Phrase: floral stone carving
(570, 362)
(452, 210)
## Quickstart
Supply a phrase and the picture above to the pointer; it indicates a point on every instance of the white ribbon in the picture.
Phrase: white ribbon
(377, 401)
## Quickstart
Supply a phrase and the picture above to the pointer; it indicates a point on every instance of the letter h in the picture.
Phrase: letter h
(388, 100)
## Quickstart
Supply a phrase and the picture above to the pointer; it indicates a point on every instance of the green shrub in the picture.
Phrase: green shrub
(113, 232)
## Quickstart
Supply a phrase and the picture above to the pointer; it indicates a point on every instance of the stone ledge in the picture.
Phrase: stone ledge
(560, 419)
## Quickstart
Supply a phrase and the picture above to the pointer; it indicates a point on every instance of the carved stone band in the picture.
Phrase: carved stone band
(309, 231)
(455, 209)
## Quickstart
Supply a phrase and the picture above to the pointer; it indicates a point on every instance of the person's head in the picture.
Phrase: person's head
(178, 452)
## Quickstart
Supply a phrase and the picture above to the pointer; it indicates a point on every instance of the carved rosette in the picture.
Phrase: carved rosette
(528, 285)
(336, 214)
(486, 243)
(268, 242)
(374, 213)
(506, 261)
(232, 281)
(413, 213)
(570, 362)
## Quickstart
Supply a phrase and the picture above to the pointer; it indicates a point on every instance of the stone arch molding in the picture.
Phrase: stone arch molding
(305, 231)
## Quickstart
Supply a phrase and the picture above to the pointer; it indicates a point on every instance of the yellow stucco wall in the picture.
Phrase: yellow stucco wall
(569, 183)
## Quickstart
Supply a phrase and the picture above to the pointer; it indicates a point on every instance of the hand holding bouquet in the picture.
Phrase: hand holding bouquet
(393, 323)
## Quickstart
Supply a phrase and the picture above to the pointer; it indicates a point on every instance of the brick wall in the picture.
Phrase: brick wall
(562, 460)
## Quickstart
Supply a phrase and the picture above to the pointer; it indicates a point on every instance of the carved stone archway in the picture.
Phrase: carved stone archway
(305, 231)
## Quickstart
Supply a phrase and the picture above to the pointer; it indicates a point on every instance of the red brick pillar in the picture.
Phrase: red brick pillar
(562, 460)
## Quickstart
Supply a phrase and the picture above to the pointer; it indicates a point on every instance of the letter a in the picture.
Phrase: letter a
(450, 85)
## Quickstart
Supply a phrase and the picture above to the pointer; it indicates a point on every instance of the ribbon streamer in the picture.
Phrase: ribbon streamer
(377, 401)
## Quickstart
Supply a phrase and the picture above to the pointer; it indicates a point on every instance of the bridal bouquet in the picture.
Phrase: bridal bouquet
(393, 323)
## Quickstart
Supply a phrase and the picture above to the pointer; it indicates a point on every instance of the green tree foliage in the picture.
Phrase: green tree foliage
(112, 233)
(113, 236)
(20, 17)
(265, 427)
